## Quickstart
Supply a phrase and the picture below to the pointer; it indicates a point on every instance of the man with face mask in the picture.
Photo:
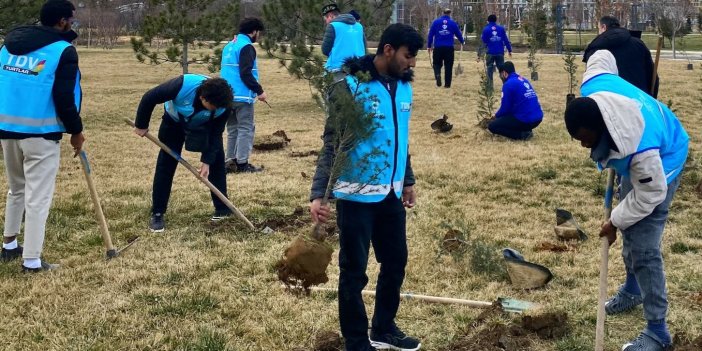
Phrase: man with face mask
(40, 99)
(633, 133)
(240, 70)
(371, 199)
(520, 111)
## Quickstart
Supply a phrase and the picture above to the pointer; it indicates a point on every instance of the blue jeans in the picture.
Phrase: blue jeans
(642, 253)
(492, 61)
(240, 132)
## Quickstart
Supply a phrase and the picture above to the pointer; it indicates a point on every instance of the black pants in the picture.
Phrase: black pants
(361, 224)
(443, 56)
(512, 128)
(172, 134)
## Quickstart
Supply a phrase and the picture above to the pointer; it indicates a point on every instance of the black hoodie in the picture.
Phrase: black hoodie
(634, 61)
(25, 39)
(352, 66)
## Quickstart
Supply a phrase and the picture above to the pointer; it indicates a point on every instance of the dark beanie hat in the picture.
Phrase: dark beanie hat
(355, 15)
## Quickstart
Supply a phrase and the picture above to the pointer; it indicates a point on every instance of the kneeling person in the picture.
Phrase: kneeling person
(520, 111)
(196, 108)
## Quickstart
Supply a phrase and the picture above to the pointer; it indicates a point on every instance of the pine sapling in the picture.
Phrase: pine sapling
(571, 67)
(486, 101)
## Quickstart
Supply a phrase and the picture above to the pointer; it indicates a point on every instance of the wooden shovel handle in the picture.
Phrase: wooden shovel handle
(655, 63)
(604, 259)
(436, 299)
(99, 215)
(195, 172)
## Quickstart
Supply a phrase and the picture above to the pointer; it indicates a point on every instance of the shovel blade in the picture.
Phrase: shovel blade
(516, 306)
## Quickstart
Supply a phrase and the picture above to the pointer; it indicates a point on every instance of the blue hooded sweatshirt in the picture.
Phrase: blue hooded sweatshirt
(519, 100)
(442, 32)
(495, 38)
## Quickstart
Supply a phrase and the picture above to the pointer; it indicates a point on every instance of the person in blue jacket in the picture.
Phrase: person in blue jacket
(372, 197)
(520, 111)
(343, 38)
(495, 41)
(641, 138)
(196, 109)
(440, 46)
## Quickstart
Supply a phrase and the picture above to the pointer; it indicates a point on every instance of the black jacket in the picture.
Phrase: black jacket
(25, 39)
(168, 91)
(634, 60)
(247, 56)
(326, 158)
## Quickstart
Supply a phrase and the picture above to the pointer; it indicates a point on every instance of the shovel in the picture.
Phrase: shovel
(604, 260)
(194, 171)
(111, 252)
(459, 68)
(508, 305)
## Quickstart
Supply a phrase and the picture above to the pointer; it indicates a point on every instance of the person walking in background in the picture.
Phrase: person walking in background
(344, 38)
(196, 108)
(375, 213)
(440, 46)
(40, 98)
(240, 70)
(520, 111)
(634, 61)
(495, 41)
(629, 131)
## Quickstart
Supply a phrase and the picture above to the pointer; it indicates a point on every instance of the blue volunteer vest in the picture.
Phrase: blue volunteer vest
(182, 105)
(230, 69)
(26, 83)
(662, 129)
(370, 178)
(348, 42)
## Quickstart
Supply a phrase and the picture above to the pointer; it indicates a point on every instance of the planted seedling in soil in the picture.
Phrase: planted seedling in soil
(304, 262)
(486, 101)
(571, 67)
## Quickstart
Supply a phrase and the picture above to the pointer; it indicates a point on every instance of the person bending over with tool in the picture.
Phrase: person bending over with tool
(639, 137)
(520, 111)
(196, 109)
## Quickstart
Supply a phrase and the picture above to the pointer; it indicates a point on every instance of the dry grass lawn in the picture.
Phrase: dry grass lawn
(195, 287)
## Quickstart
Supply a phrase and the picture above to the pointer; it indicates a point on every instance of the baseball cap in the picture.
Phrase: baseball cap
(329, 8)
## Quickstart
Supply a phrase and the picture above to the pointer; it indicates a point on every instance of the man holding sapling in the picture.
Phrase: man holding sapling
(520, 111)
(374, 190)
(639, 137)
(634, 60)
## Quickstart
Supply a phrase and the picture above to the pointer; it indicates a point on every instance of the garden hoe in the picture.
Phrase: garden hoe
(111, 252)
(508, 305)
(604, 260)
(195, 172)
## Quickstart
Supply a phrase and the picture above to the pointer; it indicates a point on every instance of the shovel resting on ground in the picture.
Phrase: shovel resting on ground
(194, 171)
(509, 305)
(604, 260)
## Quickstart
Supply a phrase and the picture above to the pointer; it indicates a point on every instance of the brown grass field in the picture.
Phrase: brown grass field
(198, 287)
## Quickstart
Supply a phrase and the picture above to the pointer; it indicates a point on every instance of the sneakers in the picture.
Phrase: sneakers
(9, 255)
(220, 215)
(45, 267)
(394, 340)
(247, 168)
(157, 223)
(622, 302)
(646, 341)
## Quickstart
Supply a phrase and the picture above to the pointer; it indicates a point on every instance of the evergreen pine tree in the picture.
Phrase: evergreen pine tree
(185, 23)
(14, 13)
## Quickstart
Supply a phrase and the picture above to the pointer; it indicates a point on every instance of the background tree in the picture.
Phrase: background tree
(18, 12)
(536, 24)
(671, 18)
(186, 23)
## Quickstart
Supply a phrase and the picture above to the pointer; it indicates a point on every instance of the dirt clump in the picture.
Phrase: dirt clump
(304, 263)
(281, 134)
(295, 220)
(304, 153)
(681, 342)
(276, 141)
(495, 337)
(454, 242)
(551, 325)
(554, 247)
(441, 125)
(328, 340)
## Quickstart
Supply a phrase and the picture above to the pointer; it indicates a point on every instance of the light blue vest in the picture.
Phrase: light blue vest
(182, 106)
(662, 129)
(230, 69)
(26, 83)
(348, 42)
(373, 174)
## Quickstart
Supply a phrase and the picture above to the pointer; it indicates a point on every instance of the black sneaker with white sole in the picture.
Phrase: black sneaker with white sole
(394, 340)
(220, 215)
(12, 254)
(157, 223)
(45, 267)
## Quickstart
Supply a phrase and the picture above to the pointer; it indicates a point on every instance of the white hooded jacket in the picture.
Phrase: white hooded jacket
(625, 123)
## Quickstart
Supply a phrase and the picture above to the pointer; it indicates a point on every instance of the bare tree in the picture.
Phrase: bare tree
(671, 17)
